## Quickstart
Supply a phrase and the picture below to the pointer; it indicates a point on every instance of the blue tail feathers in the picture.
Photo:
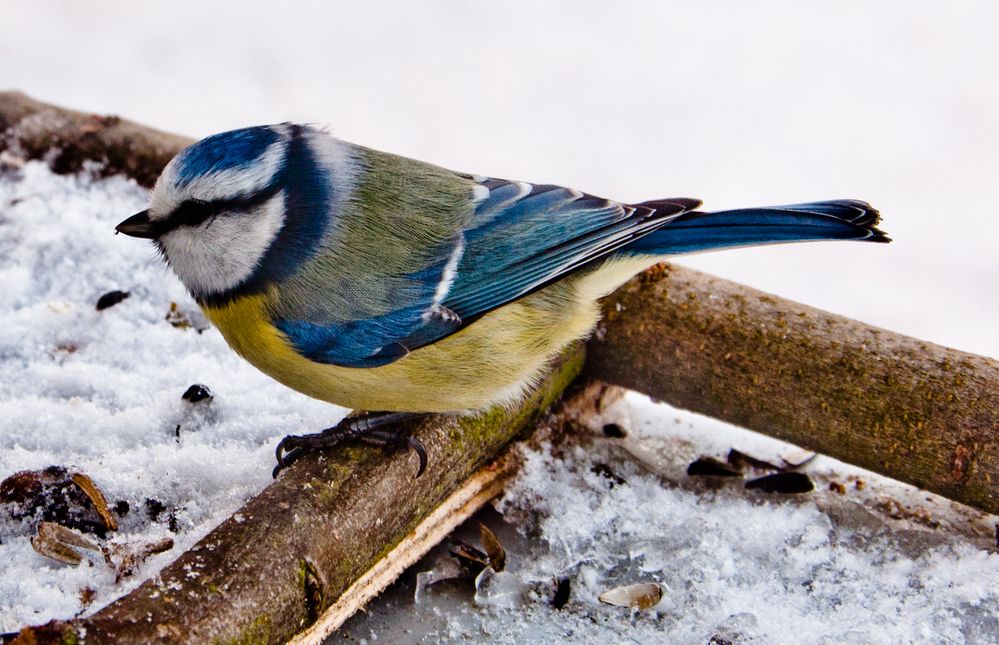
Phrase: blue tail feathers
(841, 219)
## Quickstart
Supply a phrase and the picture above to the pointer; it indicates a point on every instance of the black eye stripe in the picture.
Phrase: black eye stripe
(193, 212)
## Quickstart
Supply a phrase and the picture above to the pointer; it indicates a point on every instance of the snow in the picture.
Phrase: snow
(100, 391)
(749, 567)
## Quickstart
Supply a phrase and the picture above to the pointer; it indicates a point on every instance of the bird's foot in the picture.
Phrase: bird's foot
(377, 429)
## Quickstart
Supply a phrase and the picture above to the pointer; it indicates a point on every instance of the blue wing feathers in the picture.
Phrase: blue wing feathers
(361, 343)
(546, 234)
(518, 238)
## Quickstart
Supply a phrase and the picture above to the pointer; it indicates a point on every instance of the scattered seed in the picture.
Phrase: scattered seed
(561, 596)
(110, 299)
(469, 557)
(55, 550)
(860, 484)
(494, 550)
(54, 494)
(784, 482)
(614, 431)
(837, 487)
(637, 596)
(740, 459)
(711, 467)
(898, 511)
(197, 392)
(56, 541)
(97, 498)
(66, 535)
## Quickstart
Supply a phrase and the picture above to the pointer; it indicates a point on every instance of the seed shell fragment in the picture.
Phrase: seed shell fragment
(96, 498)
(494, 550)
(638, 596)
(56, 542)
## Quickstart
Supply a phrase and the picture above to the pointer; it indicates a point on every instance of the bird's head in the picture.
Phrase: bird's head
(218, 206)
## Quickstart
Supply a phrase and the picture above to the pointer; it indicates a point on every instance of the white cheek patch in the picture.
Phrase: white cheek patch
(220, 185)
(222, 252)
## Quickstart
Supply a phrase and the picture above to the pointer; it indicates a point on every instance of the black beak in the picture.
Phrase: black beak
(138, 225)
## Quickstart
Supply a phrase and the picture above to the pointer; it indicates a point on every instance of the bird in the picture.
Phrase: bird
(394, 286)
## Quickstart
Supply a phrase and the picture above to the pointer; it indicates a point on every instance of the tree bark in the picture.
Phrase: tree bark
(331, 533)
(905, 408)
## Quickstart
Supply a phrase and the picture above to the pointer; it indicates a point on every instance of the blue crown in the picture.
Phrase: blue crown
(223, 151)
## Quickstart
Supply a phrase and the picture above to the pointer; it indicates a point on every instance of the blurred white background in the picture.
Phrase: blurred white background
(739, 104)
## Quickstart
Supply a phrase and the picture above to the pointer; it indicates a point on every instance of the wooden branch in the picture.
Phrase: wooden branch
(30, 129)
(902, 407)
(479, 489)
(351, 522)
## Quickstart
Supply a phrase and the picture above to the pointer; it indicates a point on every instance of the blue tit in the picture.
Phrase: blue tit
(382, 283)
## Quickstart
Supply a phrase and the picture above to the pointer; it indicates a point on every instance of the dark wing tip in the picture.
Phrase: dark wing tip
(867, 217)
(879, 236)
(671, 206)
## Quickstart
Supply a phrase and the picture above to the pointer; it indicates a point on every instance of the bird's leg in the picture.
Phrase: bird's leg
(375, 428)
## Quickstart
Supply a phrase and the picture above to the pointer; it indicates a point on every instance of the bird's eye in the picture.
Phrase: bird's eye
(193, 212)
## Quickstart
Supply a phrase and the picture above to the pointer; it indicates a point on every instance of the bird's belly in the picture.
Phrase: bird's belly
(492, 360)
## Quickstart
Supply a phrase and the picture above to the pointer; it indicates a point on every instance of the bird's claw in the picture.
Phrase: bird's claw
(370, 430)
(288, 451)
(421, 451)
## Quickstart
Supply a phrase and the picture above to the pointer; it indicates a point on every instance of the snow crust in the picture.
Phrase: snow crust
(100, 391)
